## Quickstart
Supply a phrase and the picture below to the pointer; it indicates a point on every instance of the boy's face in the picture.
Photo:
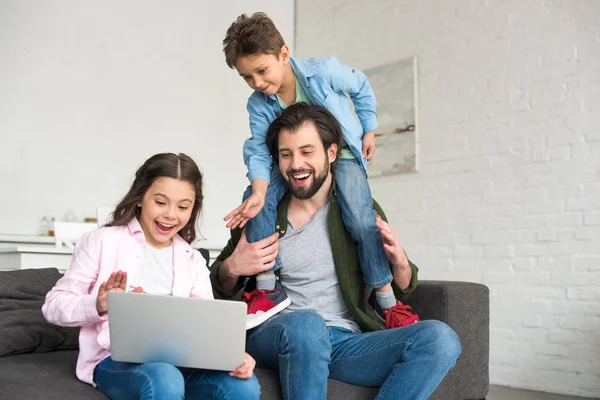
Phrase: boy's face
(264, 72)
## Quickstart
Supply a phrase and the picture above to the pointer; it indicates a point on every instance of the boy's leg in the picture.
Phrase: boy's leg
(263, 224)
(297, 344)
(218, 385)
(356, 204)
(120, 380)
(268, 298)
(408, 363)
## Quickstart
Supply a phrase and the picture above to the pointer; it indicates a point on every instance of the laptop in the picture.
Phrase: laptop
(181, 331)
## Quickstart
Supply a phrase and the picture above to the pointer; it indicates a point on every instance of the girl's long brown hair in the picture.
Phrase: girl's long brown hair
(178, 166)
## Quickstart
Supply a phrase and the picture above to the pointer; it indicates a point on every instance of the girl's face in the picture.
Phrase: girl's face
(165, 209)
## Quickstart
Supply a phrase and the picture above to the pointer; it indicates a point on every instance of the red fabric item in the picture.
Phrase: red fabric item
(399, 315)
(257, 300)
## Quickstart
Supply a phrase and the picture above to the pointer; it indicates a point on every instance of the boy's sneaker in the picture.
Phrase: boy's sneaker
(263, 304)
(394, 317)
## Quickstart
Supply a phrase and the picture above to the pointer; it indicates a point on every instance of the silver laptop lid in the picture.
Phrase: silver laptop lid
(185, 332)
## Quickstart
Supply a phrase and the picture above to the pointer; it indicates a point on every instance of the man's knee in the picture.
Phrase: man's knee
(447, 344)
(306, 331)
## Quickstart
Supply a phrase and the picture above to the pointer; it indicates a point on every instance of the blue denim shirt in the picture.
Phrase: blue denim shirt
(326, 83)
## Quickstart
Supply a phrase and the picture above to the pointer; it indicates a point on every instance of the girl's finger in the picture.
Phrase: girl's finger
(123, 284)
(110, 281)
(102, 289)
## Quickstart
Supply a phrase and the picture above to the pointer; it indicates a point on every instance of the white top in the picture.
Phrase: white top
(156, 273)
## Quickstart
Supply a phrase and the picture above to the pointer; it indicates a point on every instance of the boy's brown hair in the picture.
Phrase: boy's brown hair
(251, 35)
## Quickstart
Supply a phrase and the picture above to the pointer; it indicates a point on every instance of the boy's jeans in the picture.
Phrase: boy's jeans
(121, 380)
(407, 363)
(356, 204)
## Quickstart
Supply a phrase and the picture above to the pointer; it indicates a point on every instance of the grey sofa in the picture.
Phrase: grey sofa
(37, 359)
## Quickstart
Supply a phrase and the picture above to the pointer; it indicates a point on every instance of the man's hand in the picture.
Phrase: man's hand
(368, 147)
(391, 244)
(245, 370)
(116, 281)
(247, 210)
(249, 258)
(395, 253)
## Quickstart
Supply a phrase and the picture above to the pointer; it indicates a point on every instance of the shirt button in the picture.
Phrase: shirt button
(353, 70)
(277, 227)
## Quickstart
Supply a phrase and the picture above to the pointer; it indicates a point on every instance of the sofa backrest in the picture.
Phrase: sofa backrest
(23, 328)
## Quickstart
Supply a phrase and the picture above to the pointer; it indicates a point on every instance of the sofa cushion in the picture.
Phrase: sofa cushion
(49, 376)
(23, 328)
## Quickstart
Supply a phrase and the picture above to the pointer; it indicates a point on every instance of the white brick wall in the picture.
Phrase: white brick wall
(508, 192)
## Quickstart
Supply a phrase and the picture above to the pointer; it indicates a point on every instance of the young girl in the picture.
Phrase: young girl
(145, 249)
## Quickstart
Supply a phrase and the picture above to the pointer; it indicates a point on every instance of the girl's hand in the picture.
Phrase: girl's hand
(116, 281)
(245, 370)
(247, 210)
(368, 147)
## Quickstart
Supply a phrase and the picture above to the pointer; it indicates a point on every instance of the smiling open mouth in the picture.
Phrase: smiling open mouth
(300, 177)
(164, 228)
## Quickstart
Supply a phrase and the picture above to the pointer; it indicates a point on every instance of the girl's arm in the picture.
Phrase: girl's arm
(71, 301)
(354, 82)
(201, 287)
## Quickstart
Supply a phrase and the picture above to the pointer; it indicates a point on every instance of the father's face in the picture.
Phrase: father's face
(303, 161)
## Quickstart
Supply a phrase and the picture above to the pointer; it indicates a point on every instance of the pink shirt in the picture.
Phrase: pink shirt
(72, 301)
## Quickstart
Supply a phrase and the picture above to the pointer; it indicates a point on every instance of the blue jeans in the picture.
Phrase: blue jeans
(356, 204)
(120, 380)
(408, 362)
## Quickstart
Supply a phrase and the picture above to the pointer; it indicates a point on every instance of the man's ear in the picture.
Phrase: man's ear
(332, 152)
(284, 54)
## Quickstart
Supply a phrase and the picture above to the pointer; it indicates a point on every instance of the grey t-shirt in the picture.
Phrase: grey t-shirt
(308, 274)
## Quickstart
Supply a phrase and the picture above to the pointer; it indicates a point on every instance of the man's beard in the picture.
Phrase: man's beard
(303, 193)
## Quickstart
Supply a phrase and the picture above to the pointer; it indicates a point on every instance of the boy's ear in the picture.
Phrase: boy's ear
(284, 54)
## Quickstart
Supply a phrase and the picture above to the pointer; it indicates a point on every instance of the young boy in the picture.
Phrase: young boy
(256, 49)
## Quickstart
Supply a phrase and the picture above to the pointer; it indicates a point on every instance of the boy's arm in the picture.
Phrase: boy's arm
(352, 81)
(256, 154)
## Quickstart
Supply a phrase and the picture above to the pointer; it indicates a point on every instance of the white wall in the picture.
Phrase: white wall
(508, 192)
(90, 90)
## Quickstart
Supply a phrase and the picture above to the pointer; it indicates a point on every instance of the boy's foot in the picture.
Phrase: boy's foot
(394, 317)
(263, 304)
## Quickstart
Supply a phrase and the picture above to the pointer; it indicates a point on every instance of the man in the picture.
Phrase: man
(327, 331)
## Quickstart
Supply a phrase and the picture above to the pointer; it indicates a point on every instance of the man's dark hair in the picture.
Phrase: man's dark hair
(299, 114)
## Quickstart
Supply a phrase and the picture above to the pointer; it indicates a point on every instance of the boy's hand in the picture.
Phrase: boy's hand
(116, 281)
(245, 370)
(247, 210)
(368, 147)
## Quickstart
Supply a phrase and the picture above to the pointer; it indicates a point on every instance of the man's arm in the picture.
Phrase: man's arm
(404, 272)
(401, 268)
